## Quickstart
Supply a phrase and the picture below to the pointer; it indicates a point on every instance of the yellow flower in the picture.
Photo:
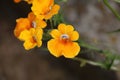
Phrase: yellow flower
(27, 23)
(30, 31)
(44, 9)
(31, 38)
(63, 42)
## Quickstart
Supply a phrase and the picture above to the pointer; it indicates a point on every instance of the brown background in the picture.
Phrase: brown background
(37, 64)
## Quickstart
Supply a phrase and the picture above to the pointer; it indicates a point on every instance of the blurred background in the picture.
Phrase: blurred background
(91, 18)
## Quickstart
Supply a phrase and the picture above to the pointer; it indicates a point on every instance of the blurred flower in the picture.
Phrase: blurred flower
(28, 1)
(44, 9)
(31, 38)
(27, 23)
(17, 1)
(63, 42)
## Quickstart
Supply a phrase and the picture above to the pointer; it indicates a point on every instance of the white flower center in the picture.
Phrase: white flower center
(34, 24)
(64, 36)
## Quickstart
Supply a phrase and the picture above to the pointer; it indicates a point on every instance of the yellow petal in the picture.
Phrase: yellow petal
(65, 28)
(53, 11)
(40, 23)
(71, 50)
(38, 36)
(55, 47)
(40, 7)
(29, 45)
(41, 17)
(25, 35)
(74, 35)
(55, 33)
(44, 9)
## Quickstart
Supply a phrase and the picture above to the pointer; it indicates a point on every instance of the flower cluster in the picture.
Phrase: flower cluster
(31, 29)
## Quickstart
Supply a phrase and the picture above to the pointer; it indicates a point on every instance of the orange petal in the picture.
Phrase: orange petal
(55, 33)
(71, 50)
(55, 47)
(64, 29)
(38, 36)
(29, 45)
(40, 6)
(41, 17)
(17, 1)
(40, 23)
(25, 35)
(31, 16)
(55, 9)
(52, 12)
(22, 24)
(74, 35)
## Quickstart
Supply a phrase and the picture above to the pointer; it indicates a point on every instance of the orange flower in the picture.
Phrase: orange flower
(31, 38)
(28, 1)
(22, 24)
(30, 31)
(44, 9)
(17, 1)
(63, 42)
(27, 23)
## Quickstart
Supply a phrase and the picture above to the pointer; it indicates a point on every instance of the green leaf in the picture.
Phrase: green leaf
(106, 2)
(109, 62)
(57, 19)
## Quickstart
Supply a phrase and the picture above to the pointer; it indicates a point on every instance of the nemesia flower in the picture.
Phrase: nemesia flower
(63, 41)
(27, 23)
(28, 1)
(17, 1)
(44, 9)
(30, 31)
(31, 38)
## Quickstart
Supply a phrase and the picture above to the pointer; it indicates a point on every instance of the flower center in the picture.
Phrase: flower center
(50, 7)
(34, 24)
(64, 37)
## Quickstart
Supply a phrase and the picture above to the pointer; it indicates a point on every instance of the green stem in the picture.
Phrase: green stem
(51, 24)
(87, 61)
(113, 10)
(105, 52)
(93, 63)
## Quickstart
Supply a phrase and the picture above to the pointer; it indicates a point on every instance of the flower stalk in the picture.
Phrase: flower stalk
(112, 9)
